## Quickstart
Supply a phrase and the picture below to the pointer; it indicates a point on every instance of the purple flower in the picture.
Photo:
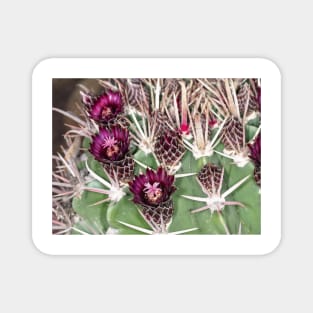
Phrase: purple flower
(152, 188)
(105, 107)
(110, 144)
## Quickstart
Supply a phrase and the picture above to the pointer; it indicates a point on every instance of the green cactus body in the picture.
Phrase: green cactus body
(211, 194)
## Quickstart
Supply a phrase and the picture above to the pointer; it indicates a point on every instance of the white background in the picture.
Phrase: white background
(34, 30)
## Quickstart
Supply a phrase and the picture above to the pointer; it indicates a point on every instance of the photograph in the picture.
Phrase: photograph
(151, 156)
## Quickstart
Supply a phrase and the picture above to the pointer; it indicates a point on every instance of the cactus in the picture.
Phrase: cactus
(162, 156)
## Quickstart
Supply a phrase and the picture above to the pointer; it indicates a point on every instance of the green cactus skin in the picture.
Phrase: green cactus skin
(245, 220)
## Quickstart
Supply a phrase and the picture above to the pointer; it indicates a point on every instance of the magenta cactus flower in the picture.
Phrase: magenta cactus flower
(153, 187)
(152, 191)
(105, 107)
(110, 144)
(111, 148)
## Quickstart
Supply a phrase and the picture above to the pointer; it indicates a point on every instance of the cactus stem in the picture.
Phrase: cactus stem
(205, 115)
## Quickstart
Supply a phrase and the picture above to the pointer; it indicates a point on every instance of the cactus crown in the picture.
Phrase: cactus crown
(168, 156)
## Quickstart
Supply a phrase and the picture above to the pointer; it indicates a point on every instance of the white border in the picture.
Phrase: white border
(154, 245)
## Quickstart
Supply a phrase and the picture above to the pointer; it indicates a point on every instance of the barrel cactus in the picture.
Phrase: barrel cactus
(161, 156)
